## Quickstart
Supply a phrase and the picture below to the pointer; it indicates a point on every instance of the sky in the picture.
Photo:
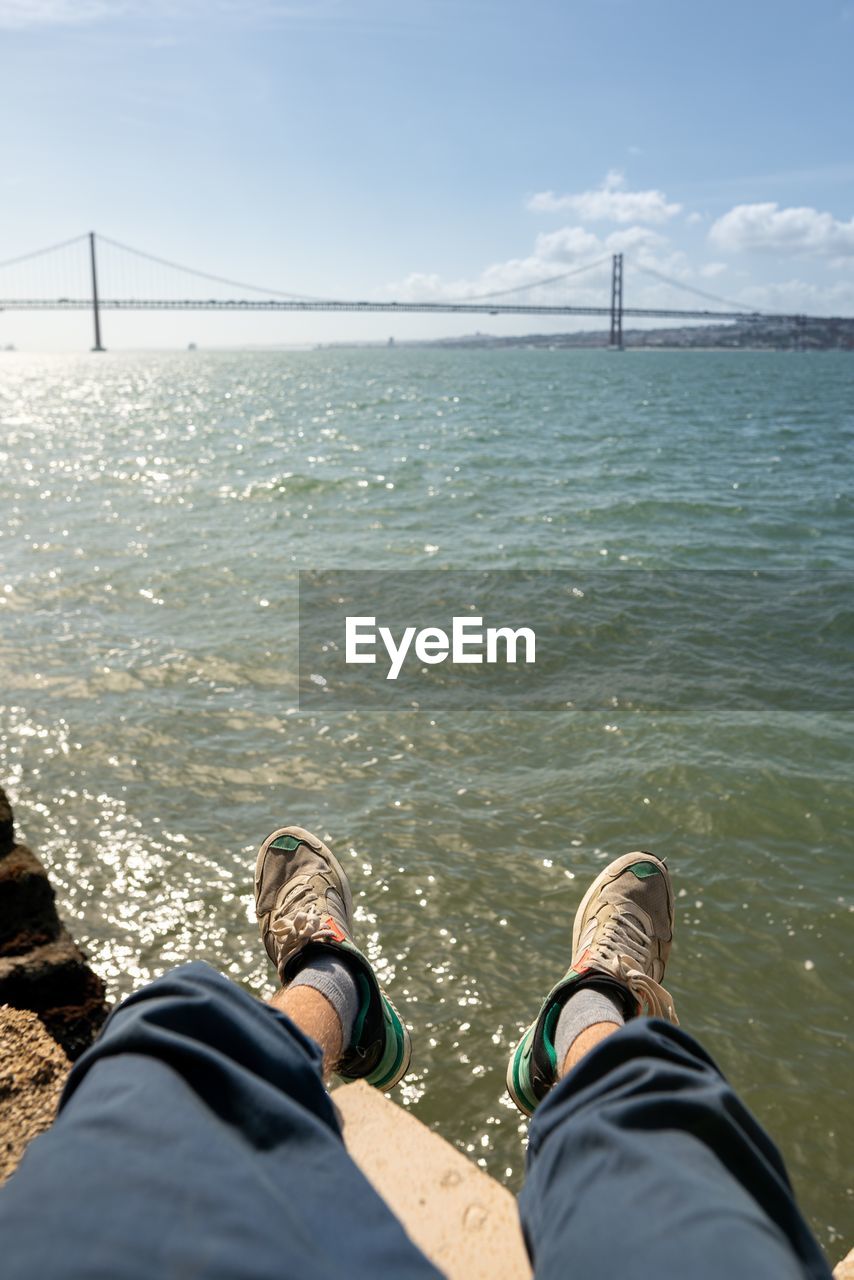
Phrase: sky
(423, 149)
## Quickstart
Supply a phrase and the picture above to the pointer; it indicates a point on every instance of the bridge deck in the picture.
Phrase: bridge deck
(399, 308)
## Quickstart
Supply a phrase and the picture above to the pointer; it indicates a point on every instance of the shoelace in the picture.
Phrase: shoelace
(623, 935)
(293, 926)
(624, 945)
(653, 998)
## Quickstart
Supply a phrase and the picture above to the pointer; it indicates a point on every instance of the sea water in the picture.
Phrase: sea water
(155, 510)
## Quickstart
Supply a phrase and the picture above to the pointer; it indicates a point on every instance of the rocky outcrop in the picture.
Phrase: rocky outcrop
(32, 1072)
(41, 967)
(7, 824)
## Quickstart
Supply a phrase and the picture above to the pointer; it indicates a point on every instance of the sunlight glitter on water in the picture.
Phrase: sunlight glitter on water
(155, 511)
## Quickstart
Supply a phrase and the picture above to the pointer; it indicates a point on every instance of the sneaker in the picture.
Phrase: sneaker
(303, 902)
(622, 937)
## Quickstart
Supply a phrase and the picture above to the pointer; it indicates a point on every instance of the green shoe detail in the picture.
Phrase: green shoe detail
(644, 869)
(395, 1061)
(380, 1050)
(290, 844)
(533, 1065)
(518, 1075)
(364, 1004)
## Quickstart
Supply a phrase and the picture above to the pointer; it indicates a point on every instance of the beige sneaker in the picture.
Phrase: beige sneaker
(303, 903)
(622, 935)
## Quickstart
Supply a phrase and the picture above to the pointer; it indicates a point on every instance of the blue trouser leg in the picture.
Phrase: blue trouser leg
(196, 1139)
(644, 1165)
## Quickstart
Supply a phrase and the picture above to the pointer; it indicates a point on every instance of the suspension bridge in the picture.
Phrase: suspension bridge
(68, 276)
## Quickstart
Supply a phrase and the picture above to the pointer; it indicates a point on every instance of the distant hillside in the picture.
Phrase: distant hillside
(762, 335)
(806, 335)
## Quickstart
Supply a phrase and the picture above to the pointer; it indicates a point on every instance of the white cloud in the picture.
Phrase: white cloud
(795, 297)
(566, 246)
(609, 203)
(640, 242)
(652, 259)
(768, 228)
(553, 253)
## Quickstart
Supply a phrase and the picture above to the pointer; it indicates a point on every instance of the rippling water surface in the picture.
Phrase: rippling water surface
(154, 512)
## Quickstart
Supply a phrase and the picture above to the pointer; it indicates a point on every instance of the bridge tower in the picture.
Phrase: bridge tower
(617, 302)
(96, 311)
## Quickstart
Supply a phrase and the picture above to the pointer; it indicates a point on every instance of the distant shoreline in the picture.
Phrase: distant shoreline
(810, 335)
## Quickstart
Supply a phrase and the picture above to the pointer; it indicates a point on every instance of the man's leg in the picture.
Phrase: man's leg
(642, 1161)
(196, 1139)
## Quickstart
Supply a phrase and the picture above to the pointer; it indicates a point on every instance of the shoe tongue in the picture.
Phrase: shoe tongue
(302, 893)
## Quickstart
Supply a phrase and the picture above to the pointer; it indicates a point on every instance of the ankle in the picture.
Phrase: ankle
(584, 1042)
(314, 1014)
(593, 1010)
(331, 973)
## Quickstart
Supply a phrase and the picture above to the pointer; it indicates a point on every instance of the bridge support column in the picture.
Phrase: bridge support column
(95, 308)
(617, 302)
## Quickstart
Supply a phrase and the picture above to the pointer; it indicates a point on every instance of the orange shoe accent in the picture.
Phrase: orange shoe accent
(335, 929)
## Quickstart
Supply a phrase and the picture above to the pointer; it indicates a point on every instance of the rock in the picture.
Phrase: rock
(7, 824)
(41, 967)
(32, 1072)
(28, 915)
(55, 982)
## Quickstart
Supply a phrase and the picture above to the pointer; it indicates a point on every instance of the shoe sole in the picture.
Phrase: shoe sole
(300, 833)
(385, 1085)
(509, 1079)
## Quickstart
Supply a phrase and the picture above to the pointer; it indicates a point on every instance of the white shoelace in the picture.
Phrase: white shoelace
(293, 929)
(624, 946)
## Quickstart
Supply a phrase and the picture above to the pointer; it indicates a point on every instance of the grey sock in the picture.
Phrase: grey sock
(582, 1010)
(334, 978)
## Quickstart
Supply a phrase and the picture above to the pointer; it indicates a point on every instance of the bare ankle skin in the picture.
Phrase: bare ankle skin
(316, 1016)
(583, 1043)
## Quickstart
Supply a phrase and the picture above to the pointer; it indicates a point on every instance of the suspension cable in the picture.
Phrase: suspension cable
(701, 293)
(207, 275)
(534, 284)
(37, 253)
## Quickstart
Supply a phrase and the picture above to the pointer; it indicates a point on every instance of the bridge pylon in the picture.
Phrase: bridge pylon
(617, 302)
(96, 310)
